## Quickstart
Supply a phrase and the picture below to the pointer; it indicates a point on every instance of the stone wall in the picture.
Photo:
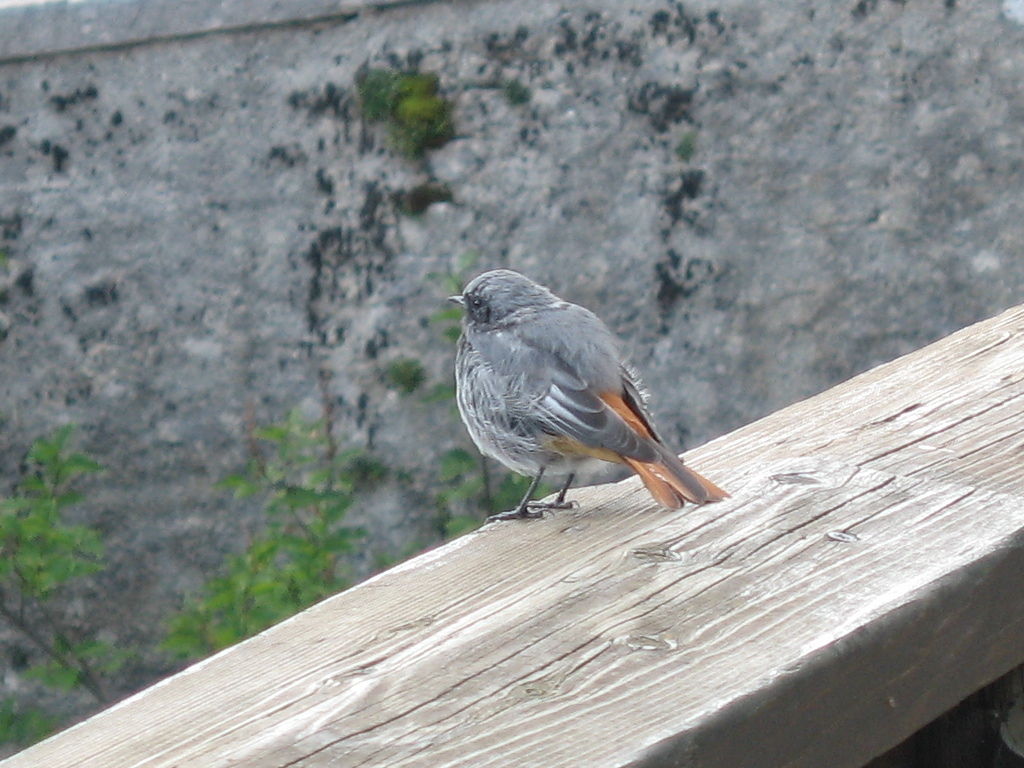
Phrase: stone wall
(761, 199)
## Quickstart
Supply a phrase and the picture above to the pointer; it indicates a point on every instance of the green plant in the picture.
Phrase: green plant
(465, 477)
(363, 471)
(687, 146)
(516, 92)
(40, 556)
(406, 375)
(377, 93)
(417, 116)
(301, 556)
(23, 725)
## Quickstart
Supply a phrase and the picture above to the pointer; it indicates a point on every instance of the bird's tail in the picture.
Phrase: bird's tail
(671, 483)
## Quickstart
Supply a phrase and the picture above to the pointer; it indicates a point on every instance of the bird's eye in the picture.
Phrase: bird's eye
(478, 309)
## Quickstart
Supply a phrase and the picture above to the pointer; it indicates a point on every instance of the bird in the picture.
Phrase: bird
(541, 385)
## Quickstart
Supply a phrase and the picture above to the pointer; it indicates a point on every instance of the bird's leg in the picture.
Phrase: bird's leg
(523, 510)
(559, 502)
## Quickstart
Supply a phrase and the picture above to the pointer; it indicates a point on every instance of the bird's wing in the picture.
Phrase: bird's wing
(560, 381)
(634, 398)
(571, 408)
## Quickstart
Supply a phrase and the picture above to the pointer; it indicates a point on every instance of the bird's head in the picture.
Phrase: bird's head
(494, 296)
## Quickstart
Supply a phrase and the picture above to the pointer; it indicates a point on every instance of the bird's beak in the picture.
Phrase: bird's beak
(457, 299)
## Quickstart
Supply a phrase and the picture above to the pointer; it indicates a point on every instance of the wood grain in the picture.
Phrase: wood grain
(866, 575)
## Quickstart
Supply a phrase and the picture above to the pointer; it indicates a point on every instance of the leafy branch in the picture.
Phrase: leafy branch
(306, 486)
(40, 555)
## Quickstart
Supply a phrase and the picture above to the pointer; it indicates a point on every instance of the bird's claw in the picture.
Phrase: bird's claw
(534, 510)
(563, 504)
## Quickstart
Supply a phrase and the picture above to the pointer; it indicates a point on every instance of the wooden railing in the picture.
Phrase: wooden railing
(866, 575)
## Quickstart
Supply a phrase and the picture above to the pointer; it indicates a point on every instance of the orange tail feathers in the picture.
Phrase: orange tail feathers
(669, 482)
(671, 486)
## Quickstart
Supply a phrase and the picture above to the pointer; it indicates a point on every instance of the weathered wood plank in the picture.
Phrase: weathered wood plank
(865, 576)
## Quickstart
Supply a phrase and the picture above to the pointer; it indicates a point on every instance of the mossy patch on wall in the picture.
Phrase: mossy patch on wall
(417, 116)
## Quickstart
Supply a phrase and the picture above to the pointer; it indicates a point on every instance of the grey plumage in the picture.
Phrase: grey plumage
(534, 375)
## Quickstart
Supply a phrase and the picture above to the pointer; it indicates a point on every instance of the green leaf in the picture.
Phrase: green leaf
(275, 433)
(294, 560)
(67, 499)
(516, 92)
(46, 450)
(406, 375)
(509, 492)
(378, 93)
(80, 464)
(55, 675)
(298, 497)
(14, 506)
(23, 725)
(363, 470)
(240, 485)
(33, 485)
(457, 462)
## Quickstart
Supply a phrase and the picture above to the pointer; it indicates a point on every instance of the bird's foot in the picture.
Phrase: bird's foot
(556, 504)
(525, 513)
(534, 510)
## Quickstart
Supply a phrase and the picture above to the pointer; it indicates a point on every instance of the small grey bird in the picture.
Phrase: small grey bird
(541, 385)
